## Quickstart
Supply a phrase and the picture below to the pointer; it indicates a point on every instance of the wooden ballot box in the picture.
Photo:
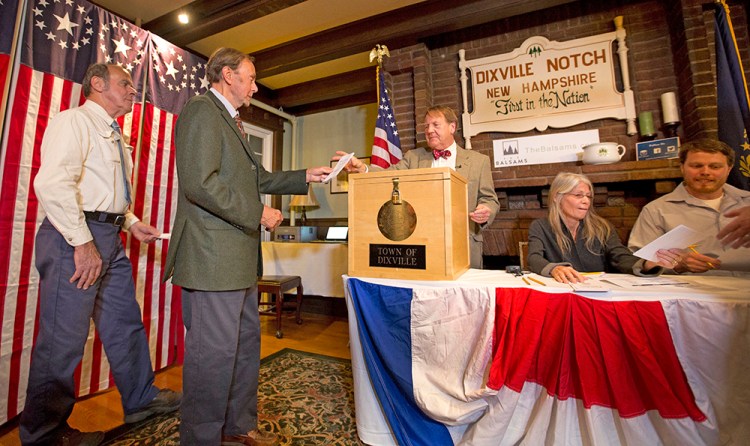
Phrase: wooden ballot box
(408, 224)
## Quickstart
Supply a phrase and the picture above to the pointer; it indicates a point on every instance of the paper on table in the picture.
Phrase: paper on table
(679, 237)
(589, 285)
(626, 281)
(343, 161)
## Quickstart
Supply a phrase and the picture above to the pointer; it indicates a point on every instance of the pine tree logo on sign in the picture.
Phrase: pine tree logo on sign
(510, 147)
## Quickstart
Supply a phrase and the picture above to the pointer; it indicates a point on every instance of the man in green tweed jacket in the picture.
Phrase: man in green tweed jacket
(214, 255)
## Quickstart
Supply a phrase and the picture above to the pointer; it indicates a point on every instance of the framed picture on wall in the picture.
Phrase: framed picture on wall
(340, 184)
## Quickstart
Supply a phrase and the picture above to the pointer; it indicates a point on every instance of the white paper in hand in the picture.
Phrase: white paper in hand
(343, 161)
(680, 237)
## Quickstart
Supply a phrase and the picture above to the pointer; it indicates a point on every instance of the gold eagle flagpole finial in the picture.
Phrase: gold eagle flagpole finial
(378, 52)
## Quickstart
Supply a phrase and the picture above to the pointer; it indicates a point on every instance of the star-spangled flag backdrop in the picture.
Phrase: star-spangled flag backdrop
(59, 40)
(8, 11)
(732, 98)
(386, 147)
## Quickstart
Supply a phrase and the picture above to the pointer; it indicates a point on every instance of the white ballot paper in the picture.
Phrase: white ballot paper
(339, 167)
(165, 235)
(680, 237)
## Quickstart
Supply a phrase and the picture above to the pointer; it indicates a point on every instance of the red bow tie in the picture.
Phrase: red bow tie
(441, 153)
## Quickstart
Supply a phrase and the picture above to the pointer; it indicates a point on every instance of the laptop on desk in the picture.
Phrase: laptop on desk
(336, 234)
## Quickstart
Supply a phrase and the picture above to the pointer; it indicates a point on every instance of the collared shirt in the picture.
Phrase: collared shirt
(230, 108)
(80, 171)
(680, 208)
(447, 162)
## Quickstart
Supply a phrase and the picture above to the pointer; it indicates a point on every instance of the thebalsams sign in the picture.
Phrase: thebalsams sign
(545, 84)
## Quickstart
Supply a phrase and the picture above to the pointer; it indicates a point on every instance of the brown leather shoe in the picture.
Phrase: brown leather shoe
(74, 437)
(253, 438)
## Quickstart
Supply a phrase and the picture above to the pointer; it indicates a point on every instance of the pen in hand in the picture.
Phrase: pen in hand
(692, 248)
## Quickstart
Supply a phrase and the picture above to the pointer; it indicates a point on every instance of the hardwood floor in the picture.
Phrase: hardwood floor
(321, 334)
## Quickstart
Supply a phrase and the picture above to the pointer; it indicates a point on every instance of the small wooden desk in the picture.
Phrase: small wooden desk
(276, 286)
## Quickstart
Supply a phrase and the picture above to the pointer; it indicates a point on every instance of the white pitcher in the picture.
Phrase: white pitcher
(603, 153)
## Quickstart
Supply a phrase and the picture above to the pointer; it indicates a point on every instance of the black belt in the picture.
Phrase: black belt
(105, 217)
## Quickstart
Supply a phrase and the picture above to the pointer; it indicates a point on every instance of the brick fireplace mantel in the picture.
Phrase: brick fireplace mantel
(543, 174)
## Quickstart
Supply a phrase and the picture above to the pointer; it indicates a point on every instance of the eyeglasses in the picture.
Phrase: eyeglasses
(579, 196)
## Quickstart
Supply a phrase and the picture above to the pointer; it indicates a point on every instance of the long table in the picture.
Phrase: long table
(489, 360)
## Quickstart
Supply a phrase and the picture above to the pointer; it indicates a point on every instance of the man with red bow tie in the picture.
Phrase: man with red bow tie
(440, 124)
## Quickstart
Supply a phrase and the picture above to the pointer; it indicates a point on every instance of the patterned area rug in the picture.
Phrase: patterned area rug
(305, 398)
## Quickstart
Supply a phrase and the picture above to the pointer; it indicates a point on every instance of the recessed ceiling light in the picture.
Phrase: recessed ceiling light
(183, 18)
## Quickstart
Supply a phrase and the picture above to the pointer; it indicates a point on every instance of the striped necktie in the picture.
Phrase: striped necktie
(238, 120)
(126, 183)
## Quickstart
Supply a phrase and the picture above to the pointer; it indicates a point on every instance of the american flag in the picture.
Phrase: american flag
(174, 75)
(61, 38)
(386, 147)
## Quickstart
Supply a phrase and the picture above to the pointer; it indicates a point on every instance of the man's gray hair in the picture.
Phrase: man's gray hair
(99, 70)
(224, 57)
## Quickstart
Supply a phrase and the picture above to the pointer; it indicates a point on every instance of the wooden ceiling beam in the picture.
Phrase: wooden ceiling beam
(329, 88)
(343, 90)
(208, 17)
(396, 29)
(334, 104)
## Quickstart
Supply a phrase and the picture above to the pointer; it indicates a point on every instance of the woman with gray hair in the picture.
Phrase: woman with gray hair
(573, 239)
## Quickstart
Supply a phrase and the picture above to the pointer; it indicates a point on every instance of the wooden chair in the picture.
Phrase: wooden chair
(523, 255)
(276, 286)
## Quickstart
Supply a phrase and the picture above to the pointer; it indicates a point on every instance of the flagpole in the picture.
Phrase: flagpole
(377, 53)
(139, 143)
(386, 145)
(9, 78)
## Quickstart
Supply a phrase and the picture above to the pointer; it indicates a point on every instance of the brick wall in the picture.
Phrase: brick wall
(670, 46)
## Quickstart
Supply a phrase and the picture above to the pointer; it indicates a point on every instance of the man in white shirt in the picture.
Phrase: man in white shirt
(440, 124)
(703, 202)
(83, 185)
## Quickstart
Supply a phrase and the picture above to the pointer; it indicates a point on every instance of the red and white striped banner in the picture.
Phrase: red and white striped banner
(36, 98)
(42, 88)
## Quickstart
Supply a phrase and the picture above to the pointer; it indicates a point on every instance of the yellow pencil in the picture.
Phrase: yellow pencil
(692, 248)
(525, 281)
(537, 281)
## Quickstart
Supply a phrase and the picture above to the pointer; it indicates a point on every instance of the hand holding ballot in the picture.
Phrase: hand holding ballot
(680, 260)
(317, 174)
(354, 164)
